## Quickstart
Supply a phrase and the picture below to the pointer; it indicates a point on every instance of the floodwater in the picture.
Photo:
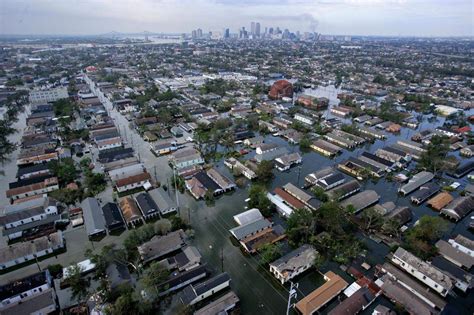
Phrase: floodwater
(258, 291)
(8, 168)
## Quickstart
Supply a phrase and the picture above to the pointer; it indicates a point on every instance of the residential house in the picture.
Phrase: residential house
(293, 263)
(186, 157)
(193, 294)
(147, 206)
(312, 178)
(463, 280)
(33, 294)
(440, 201)
(459, 208)
(463, 169)
(223, 305)
(130, 212)
(425, 192)
(163, 148)
(43, 187)
(416, 182)
(270, 155)
(423, 271)
(160, 246)
(315, 300)
(454, 255)
(331, 181)
(254, 142)
(325, 148)
(222, 181)
(25, 252)
(355, 303)
(304, 119)
(112, 216)
(397, 284)
(371, 133)
(339, 140)
(463, 244)
(344, 190)
(133, 182)
(286, 161)
(187, 258)
(342, 111)
(93, 217)
(311, 202)
(361, 200)
(179, 280)
(163, 201)
(28, 215)
(236, 165)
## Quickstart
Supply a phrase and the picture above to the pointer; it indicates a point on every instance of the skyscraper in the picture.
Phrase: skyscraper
(199, 33)
(257, 29)
(252, 28)
(226, 33)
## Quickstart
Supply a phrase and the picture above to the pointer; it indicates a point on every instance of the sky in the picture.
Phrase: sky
(341, 17)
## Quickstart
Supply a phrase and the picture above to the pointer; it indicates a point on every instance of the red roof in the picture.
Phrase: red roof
(463, 129)
(292, 201)
(281, 88)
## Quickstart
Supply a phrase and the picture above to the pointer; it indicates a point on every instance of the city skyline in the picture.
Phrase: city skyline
(342, 17)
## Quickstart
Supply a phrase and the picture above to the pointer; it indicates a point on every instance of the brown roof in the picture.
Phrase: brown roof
(295, 203)
(281, 88)
(322, 295)
(441, 200)
(133, 179)
(20, 190)
(130, 210)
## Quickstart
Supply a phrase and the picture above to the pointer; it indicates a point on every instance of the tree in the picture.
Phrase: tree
(420, 239)
(320, 193)
(125, 304)
(300, 226)
(270, 252)
(177, 223)
(265, 171)
(209, 198)
(64, 169)
(259, 200)
(433, 159)
(305, 143)
(6, 146)
(372, 219)
(155, 275)
(162, 226)
(79, 286)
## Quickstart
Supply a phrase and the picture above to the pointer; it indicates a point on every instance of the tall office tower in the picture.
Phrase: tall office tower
(257, 29)
(226, 33)
(252, 28)
(199, 33)
(194, 34)
(270, 31)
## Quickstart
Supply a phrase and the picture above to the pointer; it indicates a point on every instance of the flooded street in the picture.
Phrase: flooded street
(8, 168)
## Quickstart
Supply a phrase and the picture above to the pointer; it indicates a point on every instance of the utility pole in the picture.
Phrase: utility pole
(222, 259)
(299, 173)
(176, 189)
(291, 295)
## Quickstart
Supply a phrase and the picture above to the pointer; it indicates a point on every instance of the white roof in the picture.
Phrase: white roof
(85, 266)
(353, 288)
(248, 216)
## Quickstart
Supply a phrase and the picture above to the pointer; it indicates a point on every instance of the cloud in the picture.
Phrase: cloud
(365, 17)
